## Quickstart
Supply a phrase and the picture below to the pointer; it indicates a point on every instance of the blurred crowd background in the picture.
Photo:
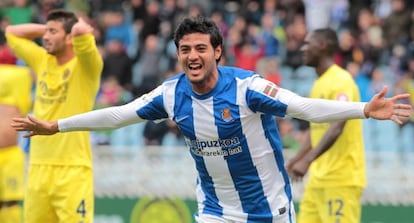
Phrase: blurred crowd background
(135, 39)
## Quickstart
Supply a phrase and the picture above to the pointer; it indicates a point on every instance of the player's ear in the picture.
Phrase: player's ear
(218, 52)
(68, 38)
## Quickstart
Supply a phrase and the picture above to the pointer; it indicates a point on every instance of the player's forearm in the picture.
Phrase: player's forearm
(320, 110)
(102, 119)
(27, 30)
(330, 137)
(88, 54)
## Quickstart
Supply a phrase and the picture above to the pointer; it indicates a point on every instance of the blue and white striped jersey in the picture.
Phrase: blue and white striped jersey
(232, 136)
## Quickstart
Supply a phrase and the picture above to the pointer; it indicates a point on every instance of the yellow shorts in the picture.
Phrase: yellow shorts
(59, 194)
(12, 171)
(330, 205)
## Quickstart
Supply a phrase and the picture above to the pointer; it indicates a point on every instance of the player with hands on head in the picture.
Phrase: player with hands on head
(68, 67)
(226, 115)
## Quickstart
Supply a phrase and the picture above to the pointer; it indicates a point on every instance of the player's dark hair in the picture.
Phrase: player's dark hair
(199, 24)
(329, 37)
(67, 18)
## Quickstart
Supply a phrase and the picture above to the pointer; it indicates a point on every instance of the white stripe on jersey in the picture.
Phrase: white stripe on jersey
(204, 127)
(263, 155)
(169, 96)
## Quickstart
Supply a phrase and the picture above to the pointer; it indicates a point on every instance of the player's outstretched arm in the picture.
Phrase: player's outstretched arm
(34, 126)
(101, 119)
(323, 110)
(382, 108)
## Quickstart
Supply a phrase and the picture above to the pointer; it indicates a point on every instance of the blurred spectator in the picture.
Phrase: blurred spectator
(217, 17)
(361, 79)
(6, 55)
(151, 22)
(43, 8)
(250, 10)
(168, 10)
(21, 11)
(369, 39)
(269, 68)
(377, 81)
(111, 93)
(314, 9)
(406, 82)
(348, 51)
(247, 53)
(288, 134)
(355, 6)
(272, 7)
(139, 11)
(292, 8)
(116, 27)
(109, 5)
(235, 36)
(149, 60)
(154, 133)
(295, 33)
(78, 6)
(268, 35)
(195, 9)
(397, 24)
(117, 63)
(339, 14)
(382, 8)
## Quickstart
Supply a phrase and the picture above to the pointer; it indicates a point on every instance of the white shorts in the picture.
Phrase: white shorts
(206, 218)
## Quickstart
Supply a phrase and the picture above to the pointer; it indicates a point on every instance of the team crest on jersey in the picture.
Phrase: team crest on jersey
(65, 74)
(342, 97)
(270, 90)
(226, 115)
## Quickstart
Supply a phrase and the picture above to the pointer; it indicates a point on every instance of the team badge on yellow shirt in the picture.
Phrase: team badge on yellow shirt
(65, 74)
(342, 97)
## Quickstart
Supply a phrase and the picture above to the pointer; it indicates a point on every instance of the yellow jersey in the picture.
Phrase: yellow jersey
(409, 88)
(15, 87)
(62, 91)
(344, 163)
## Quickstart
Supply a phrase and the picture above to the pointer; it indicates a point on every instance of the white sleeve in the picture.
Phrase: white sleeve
(321, 110)
(102, 119)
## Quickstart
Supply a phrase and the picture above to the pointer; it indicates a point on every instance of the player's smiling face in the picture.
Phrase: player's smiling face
(198, 60)
(55, 38)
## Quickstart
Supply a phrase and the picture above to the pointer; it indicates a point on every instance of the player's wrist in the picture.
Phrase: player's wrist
(366, 110)
(54, 127)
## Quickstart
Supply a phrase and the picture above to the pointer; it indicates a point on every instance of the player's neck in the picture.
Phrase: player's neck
(323, 66)
(65, 57)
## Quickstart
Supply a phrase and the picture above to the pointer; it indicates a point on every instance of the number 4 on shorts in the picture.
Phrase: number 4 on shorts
(81, 208)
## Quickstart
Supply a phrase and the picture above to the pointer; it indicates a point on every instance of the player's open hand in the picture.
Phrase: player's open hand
(382, 108)
(34, 126)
